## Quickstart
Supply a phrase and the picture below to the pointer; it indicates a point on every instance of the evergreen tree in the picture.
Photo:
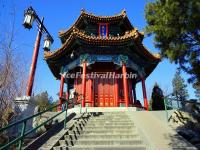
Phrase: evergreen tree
(175, 25)
(150, 105)
(157, 98)
(197, 91)
(43, 100)
(179, 87)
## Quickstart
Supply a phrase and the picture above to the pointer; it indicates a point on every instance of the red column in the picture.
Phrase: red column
(61, 93)
(90, 93)
(67, 93)
(33, 64)
(125, 85)
(144, 94)
(84, 83)
(116, 93)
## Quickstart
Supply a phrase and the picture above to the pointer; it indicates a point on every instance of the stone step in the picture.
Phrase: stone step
(101, 147)
(109, 136)
(66, 143)
(110, 123)
(110, 117)
(122, 116)
(108, 127)
(102, 130)
(101, 142)
(109, 120)
(73, 137)
(109, 131)
(109, 142)
(114, 120)
(76, 132)
(110, 113)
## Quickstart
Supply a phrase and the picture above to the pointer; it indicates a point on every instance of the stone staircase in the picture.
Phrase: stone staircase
(112, 129)
(102, 131)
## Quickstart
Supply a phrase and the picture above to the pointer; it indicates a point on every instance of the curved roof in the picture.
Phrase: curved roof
(131, 40)
(97, 19)
(132, 35)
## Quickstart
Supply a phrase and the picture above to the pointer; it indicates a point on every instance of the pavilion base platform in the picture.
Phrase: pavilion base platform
(78, 109)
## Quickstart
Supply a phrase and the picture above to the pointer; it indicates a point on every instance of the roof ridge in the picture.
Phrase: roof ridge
(120, 15)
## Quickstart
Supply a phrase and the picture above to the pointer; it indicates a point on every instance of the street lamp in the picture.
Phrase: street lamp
(47, 43)
(30, 15)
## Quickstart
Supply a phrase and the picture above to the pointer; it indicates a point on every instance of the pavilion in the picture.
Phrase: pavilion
(98, 45)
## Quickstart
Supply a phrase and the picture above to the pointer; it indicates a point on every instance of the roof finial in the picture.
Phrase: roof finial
(142, 33)
(82, 10)
(157, 55)
(123, 12)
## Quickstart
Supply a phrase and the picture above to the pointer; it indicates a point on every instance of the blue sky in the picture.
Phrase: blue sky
(60, 15)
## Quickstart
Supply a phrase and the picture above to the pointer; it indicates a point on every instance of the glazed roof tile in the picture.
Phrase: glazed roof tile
(97, 19)
(91, 39)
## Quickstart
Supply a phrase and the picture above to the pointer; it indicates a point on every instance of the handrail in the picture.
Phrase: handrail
(166, 98)
(24, 121)
(185, 101)
(27, 118)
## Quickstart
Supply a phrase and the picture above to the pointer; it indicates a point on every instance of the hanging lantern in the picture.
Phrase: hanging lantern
(72, 55)
(47, 43)
(29, 18)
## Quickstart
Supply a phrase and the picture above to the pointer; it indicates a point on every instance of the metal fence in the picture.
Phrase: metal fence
(172, 102)
(23, 122)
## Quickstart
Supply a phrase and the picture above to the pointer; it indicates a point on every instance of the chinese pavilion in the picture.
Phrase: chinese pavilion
(101, 45)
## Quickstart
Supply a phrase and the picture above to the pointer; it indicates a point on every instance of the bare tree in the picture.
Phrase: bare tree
(13, 73)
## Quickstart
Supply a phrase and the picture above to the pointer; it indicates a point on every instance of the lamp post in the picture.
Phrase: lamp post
(30, 15)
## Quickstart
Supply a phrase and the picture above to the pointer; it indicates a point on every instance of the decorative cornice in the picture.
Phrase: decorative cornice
(123, 58)
(91, 59)
(90, 39)
(84, 57)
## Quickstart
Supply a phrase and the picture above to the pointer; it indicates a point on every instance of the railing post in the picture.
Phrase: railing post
(65, 122)
(22, 135)
(166, 112)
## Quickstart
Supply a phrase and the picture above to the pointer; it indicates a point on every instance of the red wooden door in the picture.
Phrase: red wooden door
(111, 92)
(100, 94)
(104, 92)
